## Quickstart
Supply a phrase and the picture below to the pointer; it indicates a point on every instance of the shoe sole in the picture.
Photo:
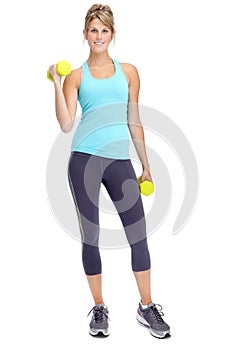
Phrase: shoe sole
(99, 332)
(144, 323)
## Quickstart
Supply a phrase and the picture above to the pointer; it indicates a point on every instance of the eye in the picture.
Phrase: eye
(105, 30)
(93, 30)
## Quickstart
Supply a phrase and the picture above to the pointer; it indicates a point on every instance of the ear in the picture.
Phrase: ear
(85, 34)
(113, 36)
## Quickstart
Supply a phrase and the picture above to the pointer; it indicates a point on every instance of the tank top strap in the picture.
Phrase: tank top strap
(85, 69)
(119, 70)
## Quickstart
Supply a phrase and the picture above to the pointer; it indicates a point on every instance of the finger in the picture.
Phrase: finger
(143, 178)
(51, 70)
(146, 178)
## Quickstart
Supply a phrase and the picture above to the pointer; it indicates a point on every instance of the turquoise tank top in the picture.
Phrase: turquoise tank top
(103, 128)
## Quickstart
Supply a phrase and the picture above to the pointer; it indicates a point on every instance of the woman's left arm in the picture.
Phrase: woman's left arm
(134, 122)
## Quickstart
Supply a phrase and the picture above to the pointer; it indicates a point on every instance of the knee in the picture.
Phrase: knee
(91, 259)
(140, 256)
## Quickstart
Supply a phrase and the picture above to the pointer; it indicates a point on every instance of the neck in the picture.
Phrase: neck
(99, 59)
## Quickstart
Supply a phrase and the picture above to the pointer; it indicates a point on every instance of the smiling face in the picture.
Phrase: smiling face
(98, 35)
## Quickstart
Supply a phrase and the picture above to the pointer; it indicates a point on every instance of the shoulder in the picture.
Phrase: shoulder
(130, 71)
(74, 79)
(129, 68)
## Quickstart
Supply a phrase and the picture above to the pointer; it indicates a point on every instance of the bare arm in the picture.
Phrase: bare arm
(134, 122)
(66, 98)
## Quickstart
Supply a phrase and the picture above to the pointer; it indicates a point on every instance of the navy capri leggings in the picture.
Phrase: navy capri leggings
(86, 173)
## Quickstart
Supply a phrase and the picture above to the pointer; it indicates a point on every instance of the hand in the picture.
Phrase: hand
(146, 175)
(56, 77)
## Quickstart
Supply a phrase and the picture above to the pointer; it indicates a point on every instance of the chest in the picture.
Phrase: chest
(105, 73)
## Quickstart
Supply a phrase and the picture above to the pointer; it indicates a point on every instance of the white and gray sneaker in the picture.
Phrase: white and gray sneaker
(99, 325)
(152, 317)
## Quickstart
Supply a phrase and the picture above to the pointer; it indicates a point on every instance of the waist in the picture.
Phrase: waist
(108, 141)
(105, 112)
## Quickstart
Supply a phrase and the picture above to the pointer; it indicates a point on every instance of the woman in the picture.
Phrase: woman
(108, 94)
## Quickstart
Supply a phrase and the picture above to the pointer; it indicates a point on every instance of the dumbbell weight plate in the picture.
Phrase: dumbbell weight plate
(63, 68)
(146, 187)
(49, 75)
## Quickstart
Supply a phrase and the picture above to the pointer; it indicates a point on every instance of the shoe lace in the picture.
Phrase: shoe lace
(98, 313)
(157, 312)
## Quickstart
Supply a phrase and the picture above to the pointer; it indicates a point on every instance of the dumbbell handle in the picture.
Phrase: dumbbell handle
(63, 68)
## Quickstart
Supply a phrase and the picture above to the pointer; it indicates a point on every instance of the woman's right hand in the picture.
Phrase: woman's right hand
(56, 77)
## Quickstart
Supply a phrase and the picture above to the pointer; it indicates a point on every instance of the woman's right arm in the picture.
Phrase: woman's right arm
(66, 97)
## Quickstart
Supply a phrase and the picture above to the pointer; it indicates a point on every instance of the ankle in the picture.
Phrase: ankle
(145, 302)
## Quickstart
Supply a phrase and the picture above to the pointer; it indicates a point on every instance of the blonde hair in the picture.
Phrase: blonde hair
(103, 13)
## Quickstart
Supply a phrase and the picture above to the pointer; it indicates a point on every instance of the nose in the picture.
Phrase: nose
(99, 35)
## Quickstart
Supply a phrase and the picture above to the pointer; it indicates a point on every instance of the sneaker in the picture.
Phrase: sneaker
(152, 317)
(99, 322)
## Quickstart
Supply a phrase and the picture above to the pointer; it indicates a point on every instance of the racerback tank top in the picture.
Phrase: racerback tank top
(103, 128)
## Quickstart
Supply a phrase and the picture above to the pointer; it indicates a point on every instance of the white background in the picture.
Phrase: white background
(190, 56)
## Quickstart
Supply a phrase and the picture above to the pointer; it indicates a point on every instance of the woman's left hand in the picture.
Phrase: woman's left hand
(146, 175)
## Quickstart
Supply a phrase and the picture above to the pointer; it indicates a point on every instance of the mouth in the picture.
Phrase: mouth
(99, 43)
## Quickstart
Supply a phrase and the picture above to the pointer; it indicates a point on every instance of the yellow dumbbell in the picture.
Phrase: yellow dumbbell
(63, 68)
(146, 187)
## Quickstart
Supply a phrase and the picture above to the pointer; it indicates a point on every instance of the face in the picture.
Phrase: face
(99, 36)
